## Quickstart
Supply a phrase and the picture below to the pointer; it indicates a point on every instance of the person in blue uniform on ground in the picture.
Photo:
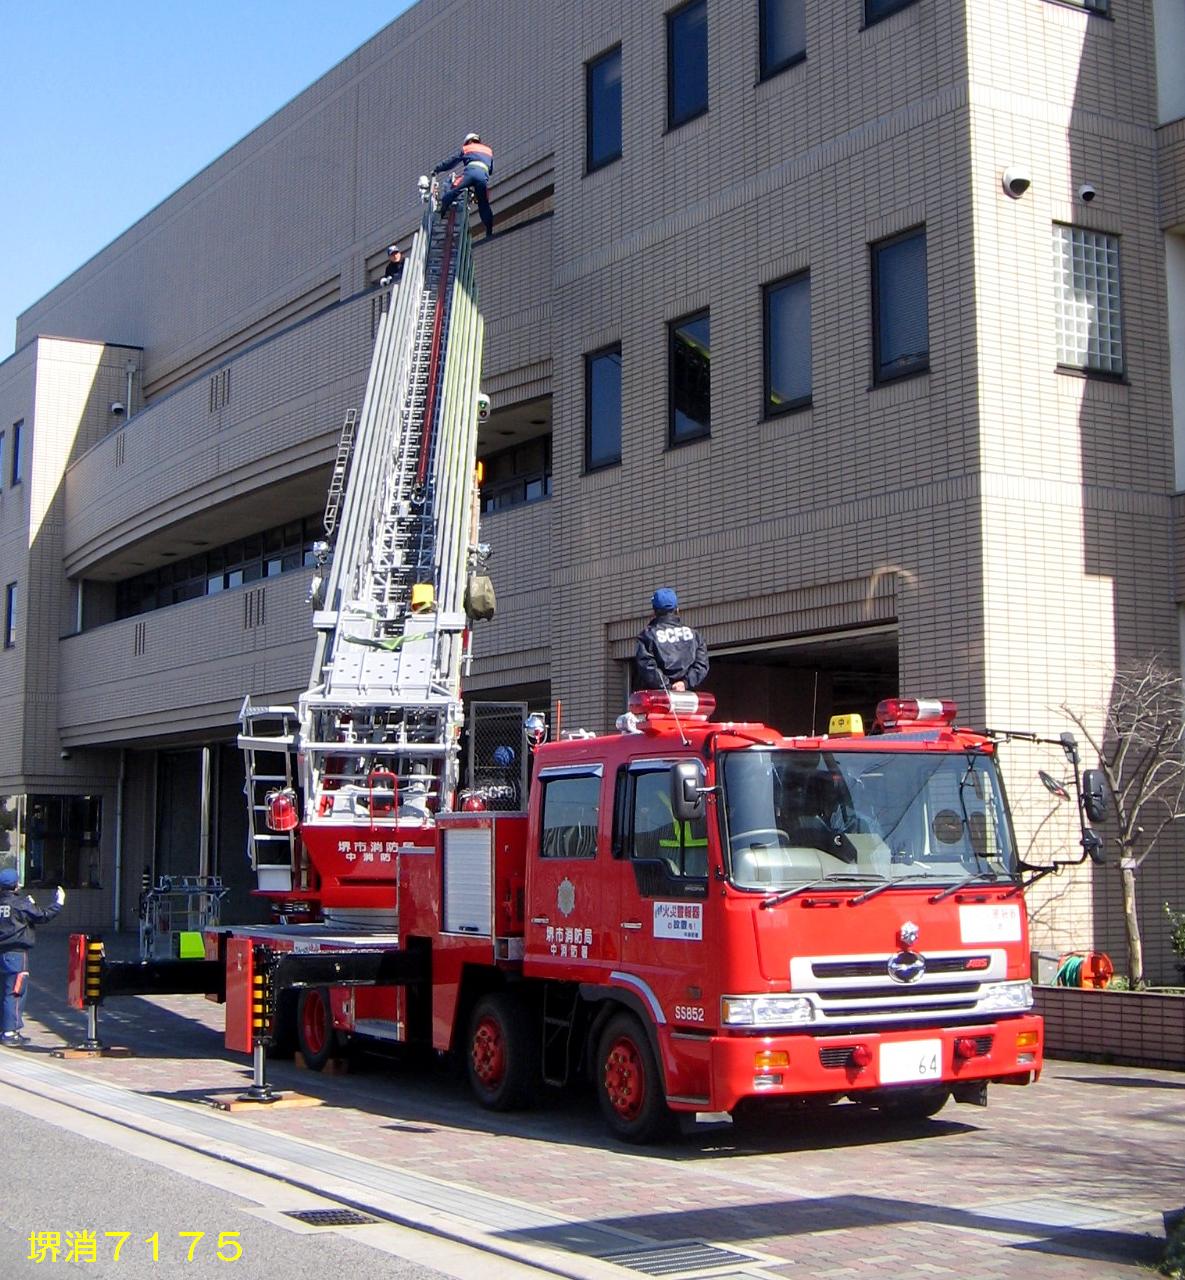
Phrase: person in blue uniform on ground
(478, 160)
(669, 654)
(18, 917)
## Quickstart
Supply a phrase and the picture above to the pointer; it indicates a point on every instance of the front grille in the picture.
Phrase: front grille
(878, 993)
(876, 968)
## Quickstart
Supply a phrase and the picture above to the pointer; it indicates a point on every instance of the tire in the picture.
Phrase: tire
(315, 1036)
(629, 1084)
(502, 1058)
(914, 1104)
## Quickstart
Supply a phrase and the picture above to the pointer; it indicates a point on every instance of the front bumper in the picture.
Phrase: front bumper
(787, 1066)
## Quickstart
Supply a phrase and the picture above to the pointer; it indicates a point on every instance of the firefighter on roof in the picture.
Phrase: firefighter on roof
(669, 654)
(478, 160)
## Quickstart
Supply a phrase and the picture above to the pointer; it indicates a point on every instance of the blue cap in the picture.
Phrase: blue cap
(504, 756)
(664, 600)
(9, 878)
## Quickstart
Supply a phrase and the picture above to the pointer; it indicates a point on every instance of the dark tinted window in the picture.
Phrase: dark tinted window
(783, 34)
(603, 109)
(687, 62)
(788, 344)
(602, 408)
(877, 9)
(570, 809)
(691, 378)
(901, 330)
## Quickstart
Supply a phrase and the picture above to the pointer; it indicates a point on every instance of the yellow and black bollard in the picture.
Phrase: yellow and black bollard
(263, 1017)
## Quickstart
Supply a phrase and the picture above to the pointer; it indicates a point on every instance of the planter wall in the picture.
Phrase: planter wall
(1139, 1028)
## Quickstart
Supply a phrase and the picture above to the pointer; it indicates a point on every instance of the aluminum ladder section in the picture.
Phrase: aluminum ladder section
(270, 732)
(386, 676)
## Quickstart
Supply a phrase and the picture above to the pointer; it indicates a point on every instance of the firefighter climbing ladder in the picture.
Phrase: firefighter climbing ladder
(382, 711)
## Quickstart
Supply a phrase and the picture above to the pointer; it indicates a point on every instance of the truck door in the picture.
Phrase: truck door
(662, 880)
(571, 916)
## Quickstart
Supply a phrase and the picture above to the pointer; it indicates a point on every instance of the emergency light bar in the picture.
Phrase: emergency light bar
(893, 712)
(667, 702)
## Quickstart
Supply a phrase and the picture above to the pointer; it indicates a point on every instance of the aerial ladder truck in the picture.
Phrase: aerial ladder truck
(693, 915)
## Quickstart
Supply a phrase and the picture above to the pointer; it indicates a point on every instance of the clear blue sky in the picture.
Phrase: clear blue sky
(105, 110)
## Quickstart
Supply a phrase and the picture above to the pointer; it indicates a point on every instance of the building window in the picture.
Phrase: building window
(1092, 6)
(687, 62)
(62, 840)
(516, 476)
(691, 378)
(10, 615)
(782, 34)
(602, 110)
(901, 329)
(2, 446)
(875, 10)
(1086, 301)
(602, 408)
(14, 473)
(788, 344)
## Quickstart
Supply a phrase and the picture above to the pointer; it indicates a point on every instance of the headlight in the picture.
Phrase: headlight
(1006, 996)
(765, 1011)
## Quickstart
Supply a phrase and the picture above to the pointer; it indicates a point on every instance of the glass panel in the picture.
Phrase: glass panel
(794, 817)
(902, 323)
(1087, 301)
(603, 109)
(62, 841)
(687, 62)
(788, 345)
(603, 423)
(691, 378)
(570, 811)
(783, 34)
(876, 9)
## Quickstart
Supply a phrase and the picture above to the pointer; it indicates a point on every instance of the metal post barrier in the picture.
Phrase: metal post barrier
(263, 1011)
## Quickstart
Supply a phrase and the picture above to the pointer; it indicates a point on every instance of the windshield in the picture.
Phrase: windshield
(791, 817)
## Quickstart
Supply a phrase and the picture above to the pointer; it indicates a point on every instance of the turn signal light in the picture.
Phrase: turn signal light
(770, 1059)
(1026, 1040)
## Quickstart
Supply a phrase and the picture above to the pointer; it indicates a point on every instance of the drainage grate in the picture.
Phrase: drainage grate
(330, 1217)
(674, 1259)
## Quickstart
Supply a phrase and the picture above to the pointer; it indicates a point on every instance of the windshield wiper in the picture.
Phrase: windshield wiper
(976, 877)
(845, 877)
(888, 883)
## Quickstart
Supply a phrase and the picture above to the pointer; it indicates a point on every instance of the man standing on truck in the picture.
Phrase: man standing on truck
(478, 160)
(669, 654)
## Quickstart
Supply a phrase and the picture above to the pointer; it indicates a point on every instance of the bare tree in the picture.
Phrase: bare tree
(1142, 753)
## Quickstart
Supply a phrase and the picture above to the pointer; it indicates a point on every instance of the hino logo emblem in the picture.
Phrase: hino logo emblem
(907, 935)
(907, 966)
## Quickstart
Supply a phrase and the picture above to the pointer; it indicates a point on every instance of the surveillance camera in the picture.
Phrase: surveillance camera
(1016, 181)
(117, 407)
(1087, 192)
(483, 406)
(65, 753)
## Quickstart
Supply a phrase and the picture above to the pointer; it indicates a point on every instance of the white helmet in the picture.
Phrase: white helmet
(472, 137)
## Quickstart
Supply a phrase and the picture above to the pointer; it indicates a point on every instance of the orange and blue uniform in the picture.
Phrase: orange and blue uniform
(478, 160)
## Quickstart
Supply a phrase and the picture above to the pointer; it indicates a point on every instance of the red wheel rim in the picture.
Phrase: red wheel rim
(625, 1079)
(314, 1023)
(489, 1052)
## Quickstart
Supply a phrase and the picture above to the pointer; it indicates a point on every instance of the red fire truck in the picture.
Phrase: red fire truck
(697, 916)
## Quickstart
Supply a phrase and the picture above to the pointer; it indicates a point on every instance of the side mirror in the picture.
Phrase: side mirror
(1094, 794)
(687, 790)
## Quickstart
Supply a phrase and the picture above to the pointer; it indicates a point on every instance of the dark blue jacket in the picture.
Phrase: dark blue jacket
(669, 650)
(18, 915)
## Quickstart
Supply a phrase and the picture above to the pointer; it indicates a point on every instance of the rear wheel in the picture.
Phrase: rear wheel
(315, 1036)
(503, 1057)
(629, 1085)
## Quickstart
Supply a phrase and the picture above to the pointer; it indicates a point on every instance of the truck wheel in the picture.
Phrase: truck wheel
(503, 1057)
(913, 1104)
(629, 1086)
(315, 1036)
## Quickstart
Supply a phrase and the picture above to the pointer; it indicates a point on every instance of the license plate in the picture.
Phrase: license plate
(911, 1060)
